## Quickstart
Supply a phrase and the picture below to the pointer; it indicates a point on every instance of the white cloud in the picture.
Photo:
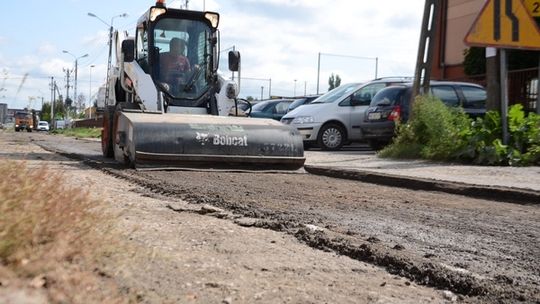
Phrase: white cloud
(286, 48)
(54, 66)
(278, 39)
(47, 48)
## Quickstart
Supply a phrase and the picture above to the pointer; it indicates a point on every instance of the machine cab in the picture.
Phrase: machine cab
(178, 49)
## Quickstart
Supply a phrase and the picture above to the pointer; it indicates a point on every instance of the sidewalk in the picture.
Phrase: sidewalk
(516, 184)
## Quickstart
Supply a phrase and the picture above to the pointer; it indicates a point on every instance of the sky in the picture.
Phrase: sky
(279, 41)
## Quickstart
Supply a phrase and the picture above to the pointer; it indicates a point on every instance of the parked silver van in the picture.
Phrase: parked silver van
(333, 119)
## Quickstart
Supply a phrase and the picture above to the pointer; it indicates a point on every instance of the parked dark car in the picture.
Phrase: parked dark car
(392, 103)
(273, 108)
(302, 101)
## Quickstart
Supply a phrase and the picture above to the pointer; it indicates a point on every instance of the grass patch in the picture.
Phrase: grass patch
(79, 132)
(51, 236)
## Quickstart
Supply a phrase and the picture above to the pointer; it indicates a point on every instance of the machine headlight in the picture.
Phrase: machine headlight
(303, 120)
(156, 12)
(213, 18)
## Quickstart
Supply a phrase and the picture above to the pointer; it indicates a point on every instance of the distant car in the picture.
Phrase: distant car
(43, 126)
(302, 101)
(273, 108)
(60, 124)
(392, 103)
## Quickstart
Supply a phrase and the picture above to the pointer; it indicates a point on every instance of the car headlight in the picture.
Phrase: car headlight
(303, 120)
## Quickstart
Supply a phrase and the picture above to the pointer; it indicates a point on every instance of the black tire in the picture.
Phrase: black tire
(377, 144)
(331, 137)
(107, 133)
(307, 146)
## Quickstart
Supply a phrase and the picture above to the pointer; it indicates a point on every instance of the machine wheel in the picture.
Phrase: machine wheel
(107, 133)
(331, 137)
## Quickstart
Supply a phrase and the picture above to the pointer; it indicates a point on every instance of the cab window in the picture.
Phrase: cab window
(142, 49)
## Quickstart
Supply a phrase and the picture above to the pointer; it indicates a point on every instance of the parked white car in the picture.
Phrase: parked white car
(333, 119)
(43, 126)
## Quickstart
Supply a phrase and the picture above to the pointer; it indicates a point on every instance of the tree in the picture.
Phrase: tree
(334, 81)
(58, 111)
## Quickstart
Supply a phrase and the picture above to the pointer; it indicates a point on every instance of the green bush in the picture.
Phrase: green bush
(434, 131)
(437, 132)
(485, 145)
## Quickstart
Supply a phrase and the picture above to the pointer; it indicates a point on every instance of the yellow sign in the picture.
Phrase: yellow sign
(533, 6)
(504, 24)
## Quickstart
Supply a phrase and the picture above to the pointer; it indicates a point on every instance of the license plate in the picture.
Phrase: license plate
(374, 116)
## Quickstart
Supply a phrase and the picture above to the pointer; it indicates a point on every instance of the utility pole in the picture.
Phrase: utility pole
(109, 61)
(68, 73)
(422, 73)
(90, 105)
(52, 100)
(262, 90)
(75, 99)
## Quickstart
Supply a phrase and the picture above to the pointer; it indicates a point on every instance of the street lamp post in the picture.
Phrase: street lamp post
(376, 59)
(90, 106)
(76, 68)
(294, 88)
(109, 67)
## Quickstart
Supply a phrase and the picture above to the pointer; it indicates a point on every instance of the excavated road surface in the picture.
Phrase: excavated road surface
(484, 250)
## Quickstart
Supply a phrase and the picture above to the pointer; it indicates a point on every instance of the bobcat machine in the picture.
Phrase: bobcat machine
(153, 120)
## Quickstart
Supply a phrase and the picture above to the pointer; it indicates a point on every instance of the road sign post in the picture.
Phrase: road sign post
(504, 96)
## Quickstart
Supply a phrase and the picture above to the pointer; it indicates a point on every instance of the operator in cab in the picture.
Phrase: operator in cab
(174, 64)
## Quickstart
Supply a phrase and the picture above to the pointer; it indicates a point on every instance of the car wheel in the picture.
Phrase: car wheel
(331, 137)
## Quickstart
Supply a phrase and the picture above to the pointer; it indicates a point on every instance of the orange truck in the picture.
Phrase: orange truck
(24, 120)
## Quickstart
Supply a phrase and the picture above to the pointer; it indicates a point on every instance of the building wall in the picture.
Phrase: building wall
(461, 15)
(3, 113)
(456, 18)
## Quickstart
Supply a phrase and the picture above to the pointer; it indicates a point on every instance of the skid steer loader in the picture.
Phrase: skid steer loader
(155, 117)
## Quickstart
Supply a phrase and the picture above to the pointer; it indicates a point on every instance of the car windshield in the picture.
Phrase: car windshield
(261, 106)
(297, 103)
(184, 50)
(387, 97)
(43, 123)
(337, 93)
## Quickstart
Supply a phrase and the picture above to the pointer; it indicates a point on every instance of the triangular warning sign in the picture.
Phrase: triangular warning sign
(504, 24)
